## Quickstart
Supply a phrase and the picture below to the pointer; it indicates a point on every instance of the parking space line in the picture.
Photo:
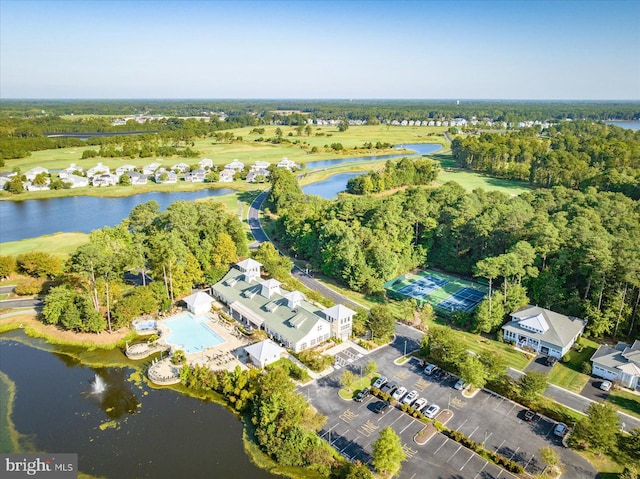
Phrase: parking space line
(399, 417)
(349, 443)
(441, 445)
(499, 404)
(329, 431)
(500, 446)
(529, 461)
(480, 471)
(410, 424)
(514, 405)
(489, 396)
(485, 439)
(550, 430)
(460, 426)
(470, 457)
(514, 454)
(459, 447)
(477, 427)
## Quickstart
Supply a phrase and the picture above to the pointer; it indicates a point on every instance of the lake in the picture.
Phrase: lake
(335, 184)
(628, 124)
(129, 430)
(32, 218)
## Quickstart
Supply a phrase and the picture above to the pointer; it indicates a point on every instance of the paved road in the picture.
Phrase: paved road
(253, 219)
(577, 401)
(22, 303)
(7, 289)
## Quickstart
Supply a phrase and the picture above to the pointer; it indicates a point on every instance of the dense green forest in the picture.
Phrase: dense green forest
(405, 172)
(572, 154)
(570, 251)
(498, 110)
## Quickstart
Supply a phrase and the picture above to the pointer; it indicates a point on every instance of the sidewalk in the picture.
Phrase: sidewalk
(577, 402)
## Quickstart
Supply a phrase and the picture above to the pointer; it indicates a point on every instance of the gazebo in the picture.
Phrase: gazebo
(199, 303)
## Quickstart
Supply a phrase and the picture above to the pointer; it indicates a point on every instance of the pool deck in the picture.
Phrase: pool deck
(226, 355)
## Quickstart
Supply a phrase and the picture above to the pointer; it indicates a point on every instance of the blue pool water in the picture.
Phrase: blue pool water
(189, 333)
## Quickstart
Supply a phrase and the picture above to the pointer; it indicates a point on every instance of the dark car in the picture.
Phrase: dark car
(362, 394)
(550, 361)
(381, 407)
(529, 415)
(438, 374)
(389, 388)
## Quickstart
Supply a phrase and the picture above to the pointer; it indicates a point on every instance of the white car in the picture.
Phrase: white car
(460, 385)
(432, 411)
(409, 398)
(430, 369)
(606, 385)
(379, 382)
(401, 391)
(419, 404)
(561, 429)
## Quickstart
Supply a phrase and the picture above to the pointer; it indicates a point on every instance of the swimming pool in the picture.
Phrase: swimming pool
(190, 333)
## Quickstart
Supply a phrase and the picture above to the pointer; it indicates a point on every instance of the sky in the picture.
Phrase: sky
(557, 50)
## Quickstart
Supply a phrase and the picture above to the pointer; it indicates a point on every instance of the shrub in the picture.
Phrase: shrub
(566, 358)
(315, 361)
(29, 286)
(586, 368)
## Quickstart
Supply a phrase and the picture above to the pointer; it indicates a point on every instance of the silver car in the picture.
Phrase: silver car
(409, 398)
(401, 391)
(432, 411)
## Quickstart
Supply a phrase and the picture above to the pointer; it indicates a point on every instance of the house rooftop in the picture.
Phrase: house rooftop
(546, 325)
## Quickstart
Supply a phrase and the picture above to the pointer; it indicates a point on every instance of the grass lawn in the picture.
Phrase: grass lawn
(625, 401)
(357, 386)
(59, 244)
(569, 375)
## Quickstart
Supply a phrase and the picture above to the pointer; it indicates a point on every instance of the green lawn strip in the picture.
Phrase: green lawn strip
(625, 401)
(59, 244)
(357, 386)
(569, 375)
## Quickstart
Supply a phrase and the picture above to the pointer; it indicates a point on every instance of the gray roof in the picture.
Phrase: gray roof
(562, 329)
(618, 357)
(290, 323)
(264, 350)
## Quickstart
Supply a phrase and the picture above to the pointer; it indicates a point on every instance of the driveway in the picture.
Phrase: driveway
(592, 390)
(538, 365)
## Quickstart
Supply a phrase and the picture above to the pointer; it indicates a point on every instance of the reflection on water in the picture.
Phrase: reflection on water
(127, 431)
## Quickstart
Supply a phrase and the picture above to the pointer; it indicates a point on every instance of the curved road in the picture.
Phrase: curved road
(253, 219)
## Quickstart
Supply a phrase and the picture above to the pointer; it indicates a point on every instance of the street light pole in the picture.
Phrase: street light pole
(405, 347)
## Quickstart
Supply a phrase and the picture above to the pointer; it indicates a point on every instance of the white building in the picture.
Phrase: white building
(33, 172)
(199, 303)
(206, 163)
(226, 176)
(235, 165)
(97, 170)
(151, 168)
(620, 364)
(286, 163)
(265, 352)
(121, 170)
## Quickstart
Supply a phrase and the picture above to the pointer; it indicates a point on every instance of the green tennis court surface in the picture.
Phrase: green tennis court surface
(444, 292)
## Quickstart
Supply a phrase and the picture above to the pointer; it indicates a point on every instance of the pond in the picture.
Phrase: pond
(127, 429)
(330, 187)
(32, 218)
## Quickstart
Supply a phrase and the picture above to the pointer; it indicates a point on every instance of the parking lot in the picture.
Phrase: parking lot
(353, 427)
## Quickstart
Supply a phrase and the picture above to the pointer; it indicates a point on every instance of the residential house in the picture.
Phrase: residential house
(253, 175)
(260, 165)
(542, 330)
(72, 168)
(286, 163)
(206, 163)
(33, 172)
(235, 165)
(5, 178)
(181, 167)
(106, 179)
(286, 317)
(121, 170)
(226, 176)
(151, 168)
(196, 176)
(620, 364)
(199, 302)
(264, 353)
(137, 178)
(74, 181)
(29, 186)
(98, 170)
(165, 176)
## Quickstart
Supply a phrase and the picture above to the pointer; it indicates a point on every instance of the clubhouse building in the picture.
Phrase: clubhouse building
(543, 330)
(286, 316)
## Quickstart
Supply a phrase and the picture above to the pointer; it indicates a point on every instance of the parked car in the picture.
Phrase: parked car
(409, 398)
(429, 369)
(381, 407)
(432, 411)
(389, 388)
(606, 385)
(529, 415)
(419, 404)
(362, 395)
(550, 361)
(460, 385)
(379, 382)
(437, 374)
(401, 391)
(561, 429)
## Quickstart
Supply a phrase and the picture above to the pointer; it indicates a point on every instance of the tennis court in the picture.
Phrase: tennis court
(444, 292)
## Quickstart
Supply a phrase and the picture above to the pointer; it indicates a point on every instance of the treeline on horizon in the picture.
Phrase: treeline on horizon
(573, 252)
(577, 155)
(498, 110)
